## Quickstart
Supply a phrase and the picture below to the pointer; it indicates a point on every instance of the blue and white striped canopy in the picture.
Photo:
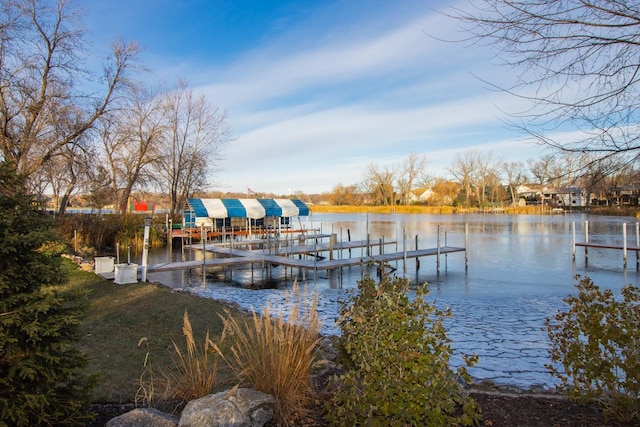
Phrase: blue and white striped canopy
(247, 208)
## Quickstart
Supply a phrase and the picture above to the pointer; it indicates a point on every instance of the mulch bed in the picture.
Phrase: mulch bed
(498, 409)
(501, 407)
(530, 410)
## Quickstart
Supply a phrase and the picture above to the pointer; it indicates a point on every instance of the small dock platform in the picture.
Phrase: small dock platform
(623, 246)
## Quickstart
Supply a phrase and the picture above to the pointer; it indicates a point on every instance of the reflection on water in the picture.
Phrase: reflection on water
(519, 269)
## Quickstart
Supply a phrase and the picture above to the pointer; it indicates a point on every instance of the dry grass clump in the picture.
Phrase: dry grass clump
(275, 354)
(195, 372)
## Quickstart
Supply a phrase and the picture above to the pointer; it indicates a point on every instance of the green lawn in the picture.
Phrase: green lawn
(120, 316)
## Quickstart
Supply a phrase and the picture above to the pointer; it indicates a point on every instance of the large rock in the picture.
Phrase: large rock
(239, 407)
(143, 417)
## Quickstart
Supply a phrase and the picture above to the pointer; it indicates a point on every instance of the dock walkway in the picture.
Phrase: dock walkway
(293, 256)
(322, 264)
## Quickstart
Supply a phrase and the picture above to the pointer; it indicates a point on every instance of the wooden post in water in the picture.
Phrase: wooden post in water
(446, 256)
(573, 241)
(417, 259)
(466, 241)
(586, 240)
(637, 244)
(333, 240)
(368, 235)
(624, 244)
(404, 251)
(438, 250)
(202, 237)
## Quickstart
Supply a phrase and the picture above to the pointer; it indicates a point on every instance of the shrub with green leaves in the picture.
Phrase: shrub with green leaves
(396, 355)
(41, 377)
(595, 348)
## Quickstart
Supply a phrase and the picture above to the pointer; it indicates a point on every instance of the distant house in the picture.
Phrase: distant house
(569, 197)
(420, 195)
(625, 195)
(530, 193)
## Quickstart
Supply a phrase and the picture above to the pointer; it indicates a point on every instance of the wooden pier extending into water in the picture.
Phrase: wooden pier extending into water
(297, 253)
(623, 246)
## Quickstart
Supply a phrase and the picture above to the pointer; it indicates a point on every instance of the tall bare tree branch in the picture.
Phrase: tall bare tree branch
(577, 62)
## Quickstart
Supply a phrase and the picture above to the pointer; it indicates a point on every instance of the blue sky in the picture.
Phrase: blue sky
(315, 91)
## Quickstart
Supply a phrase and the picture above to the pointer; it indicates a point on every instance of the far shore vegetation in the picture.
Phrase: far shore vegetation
(524, 210)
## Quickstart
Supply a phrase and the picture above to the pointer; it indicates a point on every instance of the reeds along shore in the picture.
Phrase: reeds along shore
(524, 210)
(418, 209)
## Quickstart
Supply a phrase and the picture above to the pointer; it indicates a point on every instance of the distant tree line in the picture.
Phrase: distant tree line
(480, 179)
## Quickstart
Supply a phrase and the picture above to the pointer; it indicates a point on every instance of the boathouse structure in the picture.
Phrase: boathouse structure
(225, 218)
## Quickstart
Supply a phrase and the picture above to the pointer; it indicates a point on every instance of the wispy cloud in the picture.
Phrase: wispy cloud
(340, 86)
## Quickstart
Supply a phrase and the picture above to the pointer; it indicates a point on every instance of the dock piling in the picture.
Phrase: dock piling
(586, 240)
(624, 244)
(466, 245)
(404, 251)
(637, 244)
(438, 250)
(573, 241)
(417, 258)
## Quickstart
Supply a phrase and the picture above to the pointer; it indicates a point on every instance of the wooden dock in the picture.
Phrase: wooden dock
(289, 253)
(623, 246)
(320, 264)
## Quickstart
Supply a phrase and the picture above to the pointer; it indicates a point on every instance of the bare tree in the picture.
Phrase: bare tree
(578, 63)
(412, 168)
(542, 169)
(130, 141)
(486, 175)
(43, 111)
(379, 184)
(345, 195)
(192, 147)
(515, 175)
(463, 169)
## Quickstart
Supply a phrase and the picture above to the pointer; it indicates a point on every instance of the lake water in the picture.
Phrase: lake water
(520, 267)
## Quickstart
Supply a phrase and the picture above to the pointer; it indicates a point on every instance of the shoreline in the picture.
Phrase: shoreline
(633, 211)
(486, 386)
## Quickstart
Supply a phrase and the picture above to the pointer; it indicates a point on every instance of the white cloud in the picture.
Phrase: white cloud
(315, 103)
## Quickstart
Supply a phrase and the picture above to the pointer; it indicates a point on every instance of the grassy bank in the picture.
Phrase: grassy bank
(120, 316)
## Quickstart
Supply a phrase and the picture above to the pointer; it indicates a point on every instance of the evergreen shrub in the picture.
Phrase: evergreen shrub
(41, 379)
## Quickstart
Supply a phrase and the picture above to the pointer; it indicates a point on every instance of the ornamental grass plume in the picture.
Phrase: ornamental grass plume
(195, 372)
(275, 355)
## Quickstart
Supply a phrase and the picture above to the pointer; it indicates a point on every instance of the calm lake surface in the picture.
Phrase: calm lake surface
(520, 267)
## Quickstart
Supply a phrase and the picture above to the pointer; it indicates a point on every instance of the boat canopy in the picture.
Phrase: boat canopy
(247, 208)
